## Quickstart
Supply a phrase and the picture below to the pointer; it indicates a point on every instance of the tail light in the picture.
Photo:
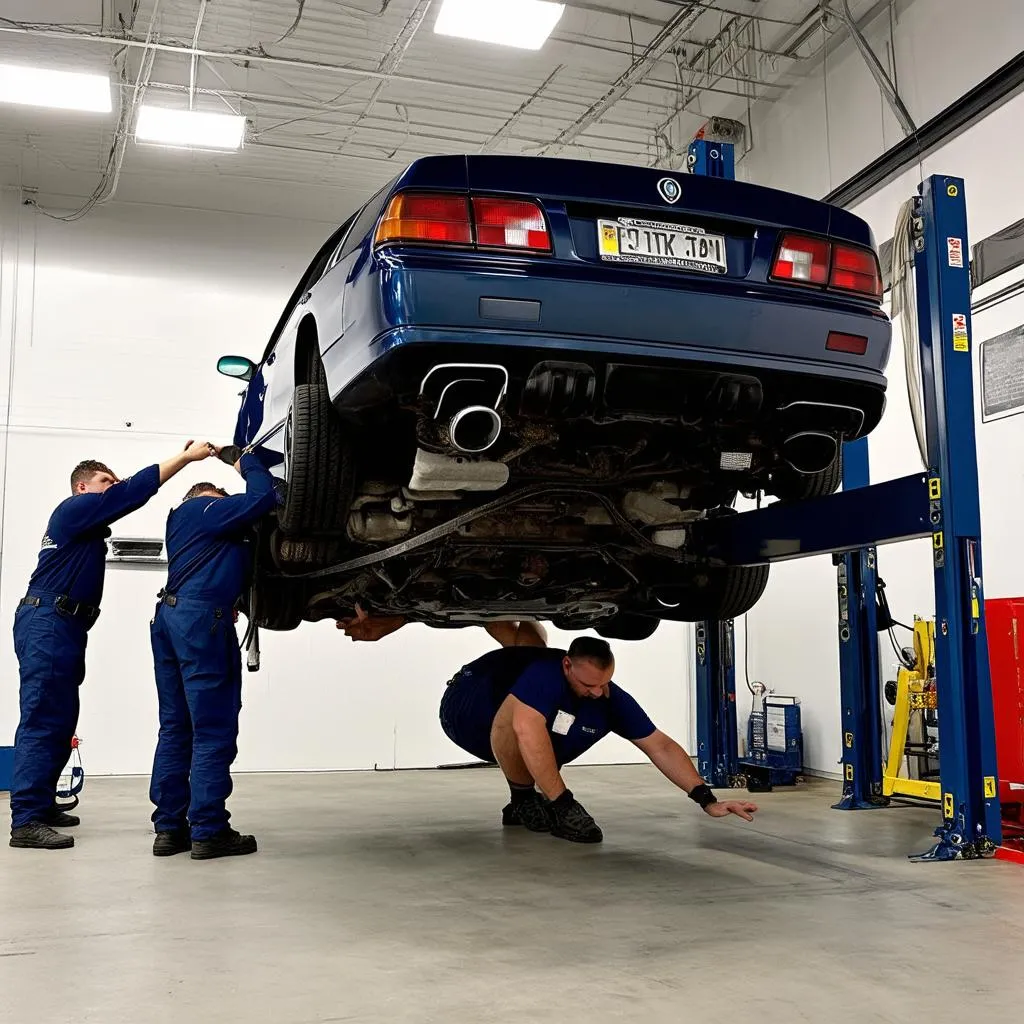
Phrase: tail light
(802, 260)
(510, 224)
(444, 219)
(426, 217)
(855, 270)
(847, 268)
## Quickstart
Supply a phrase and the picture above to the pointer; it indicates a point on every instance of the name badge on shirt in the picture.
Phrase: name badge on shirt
(563, 723)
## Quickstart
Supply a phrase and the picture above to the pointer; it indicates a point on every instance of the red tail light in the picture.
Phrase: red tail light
(426, 217)
(510, 224)
(856, 270)
(802, 260)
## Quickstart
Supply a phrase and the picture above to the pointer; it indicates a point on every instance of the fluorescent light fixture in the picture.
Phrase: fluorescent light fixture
(195, 129)
(66, 90)
(522, 23)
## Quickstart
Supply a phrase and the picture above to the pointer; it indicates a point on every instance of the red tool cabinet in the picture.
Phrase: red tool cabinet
(1005, 627)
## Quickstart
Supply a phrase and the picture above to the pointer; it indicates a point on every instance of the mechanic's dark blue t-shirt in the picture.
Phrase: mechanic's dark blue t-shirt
(534, 675)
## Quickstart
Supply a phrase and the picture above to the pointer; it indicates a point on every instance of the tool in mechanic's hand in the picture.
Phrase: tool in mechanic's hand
(230, 454)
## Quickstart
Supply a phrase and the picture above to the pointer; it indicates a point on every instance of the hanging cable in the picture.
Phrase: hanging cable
(904, 310)
(108, 183)
(746, 656)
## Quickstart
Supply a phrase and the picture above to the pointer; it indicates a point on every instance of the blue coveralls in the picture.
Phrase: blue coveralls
(196, 656)
(50, 635)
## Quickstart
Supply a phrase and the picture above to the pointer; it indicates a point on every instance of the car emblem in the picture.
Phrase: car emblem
(670, 190)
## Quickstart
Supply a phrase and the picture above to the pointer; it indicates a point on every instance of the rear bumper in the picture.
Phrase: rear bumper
(649, 379)
(661, 314)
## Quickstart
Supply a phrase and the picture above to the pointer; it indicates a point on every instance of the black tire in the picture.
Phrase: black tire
(319, 472)
(739, 588)
(727, 592)
(278, 603)
(625, 626)
(789, 485)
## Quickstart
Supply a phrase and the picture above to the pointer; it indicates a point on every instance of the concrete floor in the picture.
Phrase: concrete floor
(395, 898)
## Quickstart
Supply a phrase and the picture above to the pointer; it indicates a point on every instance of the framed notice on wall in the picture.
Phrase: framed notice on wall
(1002, 375)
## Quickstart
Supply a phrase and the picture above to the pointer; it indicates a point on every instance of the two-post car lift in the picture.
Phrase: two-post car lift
(942, 504)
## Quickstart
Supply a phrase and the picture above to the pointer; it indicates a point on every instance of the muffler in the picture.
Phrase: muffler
(474, 429)
(810, 451)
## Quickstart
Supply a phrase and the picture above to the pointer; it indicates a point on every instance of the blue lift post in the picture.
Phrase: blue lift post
(712, 159)
(861, 712)
(944, 505)
(715, 676)
(717, 734)
(967, 764)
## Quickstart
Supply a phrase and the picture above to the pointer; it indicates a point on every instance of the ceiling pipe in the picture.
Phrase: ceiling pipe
(877, 71)
(195, 59)
(633, 75)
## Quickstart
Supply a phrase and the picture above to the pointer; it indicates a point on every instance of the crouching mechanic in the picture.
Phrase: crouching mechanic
(199, 666)
(51, 627)
(532, 709)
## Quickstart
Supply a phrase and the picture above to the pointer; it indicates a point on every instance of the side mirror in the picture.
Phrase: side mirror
(236, 366)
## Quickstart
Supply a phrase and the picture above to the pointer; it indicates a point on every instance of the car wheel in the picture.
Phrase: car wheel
(625, 626)
(736, 590)
(727, 592)
(789, 485)
(318, 467)
(278, 603)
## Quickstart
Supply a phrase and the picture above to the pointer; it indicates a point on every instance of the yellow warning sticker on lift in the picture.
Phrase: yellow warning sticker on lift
(990, 785)
(947, 806)
(934, 488)
(848, 739)
(952, 191)
(849, 773)
(961, 341)
(937, 541)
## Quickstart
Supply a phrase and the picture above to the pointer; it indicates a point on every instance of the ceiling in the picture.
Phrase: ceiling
(340, 95)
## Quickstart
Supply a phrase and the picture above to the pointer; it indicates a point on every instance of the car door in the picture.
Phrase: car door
(329, 294)
(277, 368)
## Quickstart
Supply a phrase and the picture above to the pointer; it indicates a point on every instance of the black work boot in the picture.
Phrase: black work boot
(529, 810)
(61, 819)
(176, 840)
(226, 843)
(569, 820)
(37, 836)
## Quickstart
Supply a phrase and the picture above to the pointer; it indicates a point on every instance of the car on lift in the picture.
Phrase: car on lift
(508, 386)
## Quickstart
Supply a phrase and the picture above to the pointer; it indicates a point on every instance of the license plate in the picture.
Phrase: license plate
(656, 244)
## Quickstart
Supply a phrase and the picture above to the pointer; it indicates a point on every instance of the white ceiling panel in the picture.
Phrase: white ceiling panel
(340, 95)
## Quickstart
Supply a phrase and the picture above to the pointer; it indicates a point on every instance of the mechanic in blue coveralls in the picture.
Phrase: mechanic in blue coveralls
(199, 666)
(50, 631)
(532, 709)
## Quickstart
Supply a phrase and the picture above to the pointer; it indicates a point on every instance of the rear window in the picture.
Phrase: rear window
(365, 221)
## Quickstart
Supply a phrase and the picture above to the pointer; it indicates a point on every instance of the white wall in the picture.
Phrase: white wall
(115, 324)
(835, 121)
(940, 54)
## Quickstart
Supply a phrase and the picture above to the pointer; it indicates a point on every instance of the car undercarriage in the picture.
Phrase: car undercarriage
(561, 494)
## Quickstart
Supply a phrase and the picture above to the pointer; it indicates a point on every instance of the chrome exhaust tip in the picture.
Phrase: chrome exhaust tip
(474, 429)
(810, 451)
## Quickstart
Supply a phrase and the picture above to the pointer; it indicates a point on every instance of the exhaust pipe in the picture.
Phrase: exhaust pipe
(474, 429)
(810, 451)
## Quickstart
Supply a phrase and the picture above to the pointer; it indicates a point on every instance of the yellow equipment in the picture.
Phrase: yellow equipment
(915, 693)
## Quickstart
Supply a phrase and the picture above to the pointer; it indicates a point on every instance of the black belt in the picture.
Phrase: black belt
(87, 613)
(172, 599)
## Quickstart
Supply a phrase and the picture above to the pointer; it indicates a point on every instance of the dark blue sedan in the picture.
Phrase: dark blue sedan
(506, 386)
